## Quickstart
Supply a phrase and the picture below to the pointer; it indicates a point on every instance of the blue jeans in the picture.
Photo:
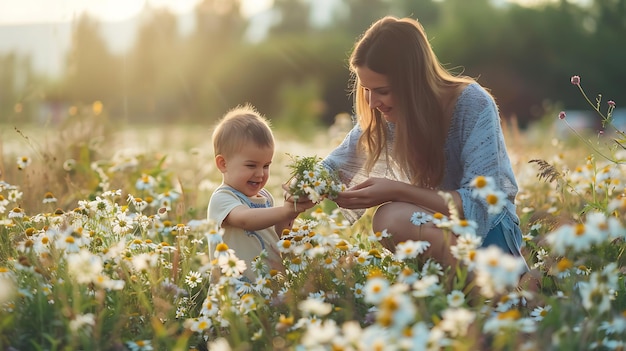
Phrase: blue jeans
(506, 235)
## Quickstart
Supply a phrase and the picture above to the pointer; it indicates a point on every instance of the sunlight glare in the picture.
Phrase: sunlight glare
(250, 8)
(46, 11)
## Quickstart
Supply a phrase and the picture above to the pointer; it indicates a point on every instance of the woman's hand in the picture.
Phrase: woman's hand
(370, 193)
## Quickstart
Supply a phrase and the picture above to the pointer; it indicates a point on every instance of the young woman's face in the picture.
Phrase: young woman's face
(247, 170)
(377, 91)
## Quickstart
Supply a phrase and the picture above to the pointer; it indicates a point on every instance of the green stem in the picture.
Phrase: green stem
(587, 142)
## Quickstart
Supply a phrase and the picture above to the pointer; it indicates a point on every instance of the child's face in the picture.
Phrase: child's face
(247, 170)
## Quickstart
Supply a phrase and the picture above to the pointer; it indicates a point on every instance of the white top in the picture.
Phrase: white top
(247, 245)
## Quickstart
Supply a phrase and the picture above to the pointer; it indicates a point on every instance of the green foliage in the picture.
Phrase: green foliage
(520, 53)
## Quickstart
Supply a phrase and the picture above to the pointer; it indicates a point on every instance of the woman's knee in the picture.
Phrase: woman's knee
(392, 216)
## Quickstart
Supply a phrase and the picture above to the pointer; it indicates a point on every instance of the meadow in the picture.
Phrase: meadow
(104, 237)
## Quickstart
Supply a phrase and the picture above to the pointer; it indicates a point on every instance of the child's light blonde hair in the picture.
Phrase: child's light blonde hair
(241, 125)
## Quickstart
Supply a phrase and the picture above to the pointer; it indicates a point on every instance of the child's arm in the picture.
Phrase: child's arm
(260, 218)
(287, 224)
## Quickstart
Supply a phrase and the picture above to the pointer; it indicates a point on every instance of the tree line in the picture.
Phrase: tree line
(297, 75)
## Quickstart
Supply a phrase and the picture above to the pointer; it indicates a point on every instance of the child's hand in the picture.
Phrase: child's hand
(298, 205)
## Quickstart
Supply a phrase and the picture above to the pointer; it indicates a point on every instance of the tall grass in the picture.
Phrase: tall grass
(103, 246)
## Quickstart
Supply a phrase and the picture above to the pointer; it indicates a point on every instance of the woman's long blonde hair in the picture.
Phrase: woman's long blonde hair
(399, 49)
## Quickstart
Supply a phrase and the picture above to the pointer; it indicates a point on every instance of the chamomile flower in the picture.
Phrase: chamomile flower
(376, 288)
(497, 271)
(482, 186)
(407, 276)
(465, 248)
(426, 286)
(540, 312)
(222, 251)
(82, 322)
(296, 264)
(247, 303)
(69, 164)
(145, 183)
(260, 263)
(329, 262)
(138, 203)
(23, 162)
(314, 307)
(215, 236)
(232, 266)
(320, 334)
(456, 321)
(193, 279)
(16, 212)
(358, 291)
(616, 325)
(375, 236)
(419, 218)
(209, 307)
(285, 246)
(464, 227)
(496, 200)
(49, 198)
(441, 221)
(166, 199)
(199, 324)
(396, 310)
(140, 345)
(123, 223)
(144, 261)
(246, 287)
(410, 249)
(455, 298)
(84, 266)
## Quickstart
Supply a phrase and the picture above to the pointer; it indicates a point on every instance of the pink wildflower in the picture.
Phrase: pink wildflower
(575, 80)
(611, 103)
(562, 115)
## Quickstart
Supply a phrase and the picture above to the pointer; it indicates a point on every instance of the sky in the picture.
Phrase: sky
(51, 11)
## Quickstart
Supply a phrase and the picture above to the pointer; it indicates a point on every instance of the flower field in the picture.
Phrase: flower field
(104, 237)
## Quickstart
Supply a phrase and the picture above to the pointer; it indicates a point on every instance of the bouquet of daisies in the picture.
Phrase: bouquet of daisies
(309, 178)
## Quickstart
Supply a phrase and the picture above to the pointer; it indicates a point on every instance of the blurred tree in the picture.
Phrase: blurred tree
(611, 14)
(16, 78)
(525, 55)
(219, 32)
(292, 17)
(92, 71)
(601, 55)
(552, 41)
(360, 14)
(154, 69)
(428, 12)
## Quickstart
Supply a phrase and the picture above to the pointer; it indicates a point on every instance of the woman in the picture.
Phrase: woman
(421, 130)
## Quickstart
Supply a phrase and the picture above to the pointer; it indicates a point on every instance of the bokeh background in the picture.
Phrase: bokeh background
(162, 65)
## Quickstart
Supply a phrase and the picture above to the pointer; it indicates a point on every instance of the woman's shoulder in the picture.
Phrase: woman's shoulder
(473, 91)
(474, 98)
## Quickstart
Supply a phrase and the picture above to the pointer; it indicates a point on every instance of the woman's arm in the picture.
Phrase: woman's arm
(376, 191)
